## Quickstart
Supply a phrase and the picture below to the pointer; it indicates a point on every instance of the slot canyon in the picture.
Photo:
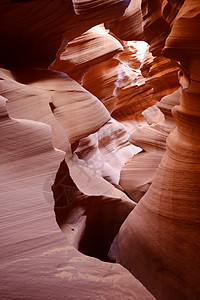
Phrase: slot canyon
(100, 149)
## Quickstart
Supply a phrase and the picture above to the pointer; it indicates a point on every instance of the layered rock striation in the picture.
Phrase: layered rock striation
(161, 234)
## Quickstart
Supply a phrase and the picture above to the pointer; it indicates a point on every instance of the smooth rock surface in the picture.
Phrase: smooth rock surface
(31, 95)
(92, 47)
(36, 260)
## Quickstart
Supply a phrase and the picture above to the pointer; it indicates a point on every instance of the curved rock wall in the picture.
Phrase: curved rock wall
(161, 234)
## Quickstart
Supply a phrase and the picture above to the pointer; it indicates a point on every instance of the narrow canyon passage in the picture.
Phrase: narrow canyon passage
(99, 144)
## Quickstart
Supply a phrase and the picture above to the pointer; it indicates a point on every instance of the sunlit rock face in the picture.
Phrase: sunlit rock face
(122, 88)
(92, 47)
(97, 56)
(131, 87)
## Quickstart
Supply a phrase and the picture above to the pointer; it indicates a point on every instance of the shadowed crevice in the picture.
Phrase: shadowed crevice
(102, 216)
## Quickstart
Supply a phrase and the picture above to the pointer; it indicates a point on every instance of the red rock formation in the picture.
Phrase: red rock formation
(92, 47)
(36, 260)
(90, 222)
(106, 74)
(37, 88)
(128, 27)
(162, 77)
(159, 241)
(106, 151)
(156, 29)
(107, 7)
(161, 74)
(138, 173)
(121, 86)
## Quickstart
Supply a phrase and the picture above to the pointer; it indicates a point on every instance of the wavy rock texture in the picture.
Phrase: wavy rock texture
(122, 88)
(106, 74)
(137, 174)
(29, 98)
(170, 9)
(163, 77)
(88, 208)
(107, 150)
(97, 6)
(119, 78)
(92, 47)
(128, 27)
(156, 29)
(132, 92)
(179, 47)
(160, 236)
(36, 261)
